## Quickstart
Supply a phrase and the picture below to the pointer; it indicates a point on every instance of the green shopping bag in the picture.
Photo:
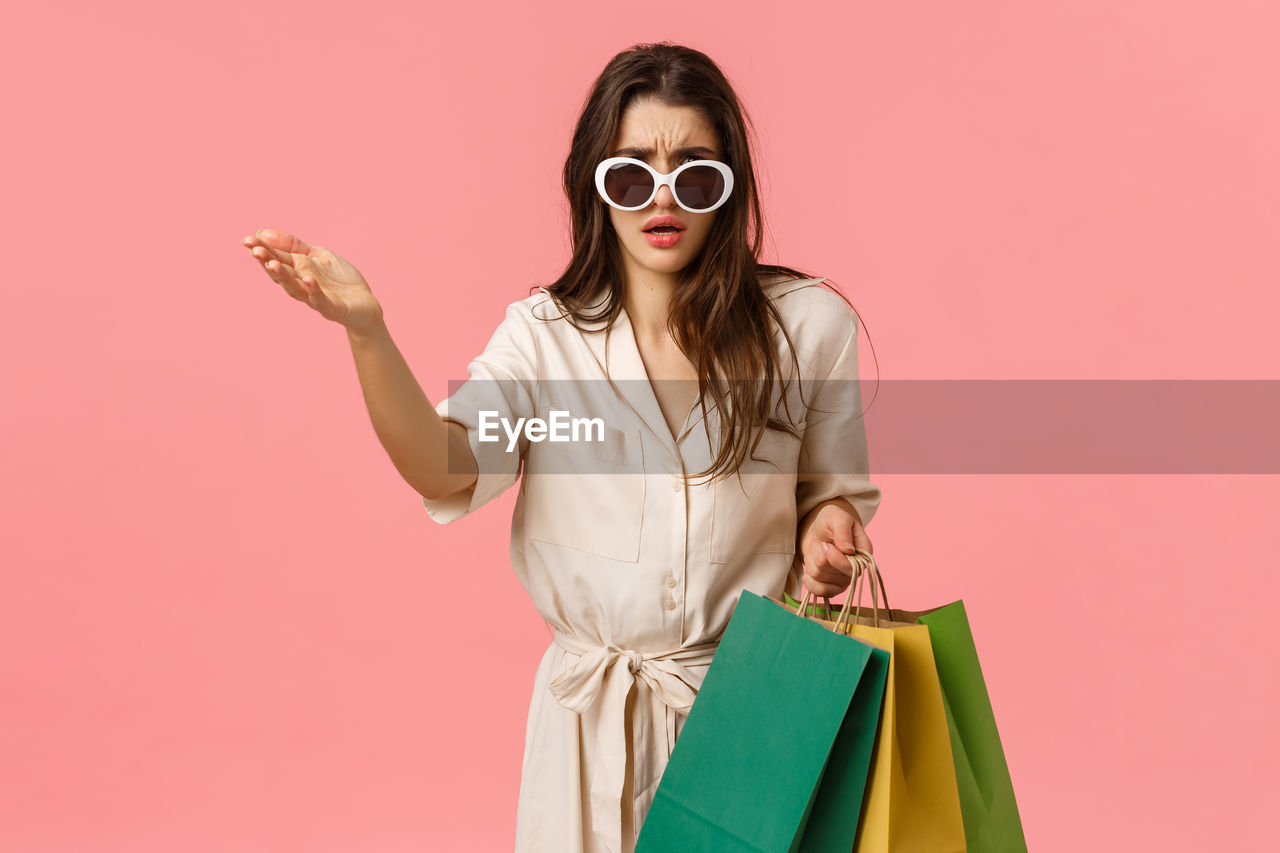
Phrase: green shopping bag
(987, 803)
(775, 751)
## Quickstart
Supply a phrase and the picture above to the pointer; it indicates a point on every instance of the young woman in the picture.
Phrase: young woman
(730, 453)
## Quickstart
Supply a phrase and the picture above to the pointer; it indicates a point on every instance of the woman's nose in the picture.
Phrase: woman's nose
(664, 198)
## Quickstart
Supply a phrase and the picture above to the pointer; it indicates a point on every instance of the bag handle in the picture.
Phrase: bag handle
(864, 567)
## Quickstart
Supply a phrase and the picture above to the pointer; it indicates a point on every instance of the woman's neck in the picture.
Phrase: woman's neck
(648, 300)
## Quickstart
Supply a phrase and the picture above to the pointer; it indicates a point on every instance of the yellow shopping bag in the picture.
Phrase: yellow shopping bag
(912, 804)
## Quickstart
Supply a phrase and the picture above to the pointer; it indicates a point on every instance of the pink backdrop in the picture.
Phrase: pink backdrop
(227, 624)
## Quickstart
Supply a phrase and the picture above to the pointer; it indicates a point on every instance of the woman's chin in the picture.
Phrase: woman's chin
(663, 260)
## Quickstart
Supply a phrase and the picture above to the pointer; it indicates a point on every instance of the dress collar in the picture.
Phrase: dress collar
(616, 351)
(618, 355)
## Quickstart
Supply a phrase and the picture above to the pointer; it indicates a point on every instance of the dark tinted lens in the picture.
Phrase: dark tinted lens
(699, 187)
(628, 185)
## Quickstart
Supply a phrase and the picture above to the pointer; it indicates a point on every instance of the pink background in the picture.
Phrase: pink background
(227, 624)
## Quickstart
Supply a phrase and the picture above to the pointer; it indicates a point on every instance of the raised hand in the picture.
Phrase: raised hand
(317, 276)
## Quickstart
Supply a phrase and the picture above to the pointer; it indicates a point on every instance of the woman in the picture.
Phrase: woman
(730, 452)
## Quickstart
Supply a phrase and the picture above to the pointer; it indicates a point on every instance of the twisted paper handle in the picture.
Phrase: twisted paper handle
(864, 567)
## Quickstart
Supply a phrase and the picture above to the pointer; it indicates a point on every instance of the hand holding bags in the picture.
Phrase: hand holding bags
(775, 751)
(938, 784)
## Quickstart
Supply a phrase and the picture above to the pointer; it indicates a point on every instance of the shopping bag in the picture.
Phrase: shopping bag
(912, 803)
(833, 821)
(775, 752)
(987, 803)
(991, 820)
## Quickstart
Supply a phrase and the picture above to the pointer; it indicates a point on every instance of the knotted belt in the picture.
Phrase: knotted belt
(606, 674)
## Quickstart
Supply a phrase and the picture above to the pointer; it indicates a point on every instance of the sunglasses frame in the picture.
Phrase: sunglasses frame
(660, 179)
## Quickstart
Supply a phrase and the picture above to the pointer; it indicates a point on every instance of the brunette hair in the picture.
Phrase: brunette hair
(720, 315)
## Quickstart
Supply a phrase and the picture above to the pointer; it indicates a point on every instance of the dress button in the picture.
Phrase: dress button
(671, 603)
(671, 580)
(675, 485)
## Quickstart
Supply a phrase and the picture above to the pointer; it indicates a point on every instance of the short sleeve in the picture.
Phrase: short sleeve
(833, 453)
(499, 387)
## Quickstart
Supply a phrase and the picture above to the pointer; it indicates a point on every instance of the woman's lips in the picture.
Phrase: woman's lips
(660, 240)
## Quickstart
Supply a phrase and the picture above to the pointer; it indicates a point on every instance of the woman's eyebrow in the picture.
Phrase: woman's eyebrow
(646, 153)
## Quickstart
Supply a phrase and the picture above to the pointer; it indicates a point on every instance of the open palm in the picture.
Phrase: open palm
(317, 276)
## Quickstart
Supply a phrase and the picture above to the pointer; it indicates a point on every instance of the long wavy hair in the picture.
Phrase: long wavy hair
(719, 315)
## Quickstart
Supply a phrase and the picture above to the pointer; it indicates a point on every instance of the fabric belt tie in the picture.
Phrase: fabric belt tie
(606, 674)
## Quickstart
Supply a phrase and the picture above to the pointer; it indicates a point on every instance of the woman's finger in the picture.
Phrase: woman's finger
(818, 588)
(266, 254)
(306, 266)
(813, 557)
(834, 566)
(824, 571)
(282, 241)
(823, 558)
(843, 533)
(287, 278)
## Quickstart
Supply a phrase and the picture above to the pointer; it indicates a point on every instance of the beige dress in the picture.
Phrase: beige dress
(636, 571)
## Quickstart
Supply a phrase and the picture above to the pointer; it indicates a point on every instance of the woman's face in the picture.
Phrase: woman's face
(665, 137)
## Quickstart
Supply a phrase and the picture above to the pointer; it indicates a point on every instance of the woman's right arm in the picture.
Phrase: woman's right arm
(409, 427)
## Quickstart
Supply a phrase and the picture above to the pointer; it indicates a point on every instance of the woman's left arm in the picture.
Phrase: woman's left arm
(835, 498)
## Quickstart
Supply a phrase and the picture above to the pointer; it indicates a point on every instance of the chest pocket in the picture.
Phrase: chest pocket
(755, 511)
(587, 495)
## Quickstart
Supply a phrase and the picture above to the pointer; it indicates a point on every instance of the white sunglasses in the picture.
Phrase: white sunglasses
(698, 186)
